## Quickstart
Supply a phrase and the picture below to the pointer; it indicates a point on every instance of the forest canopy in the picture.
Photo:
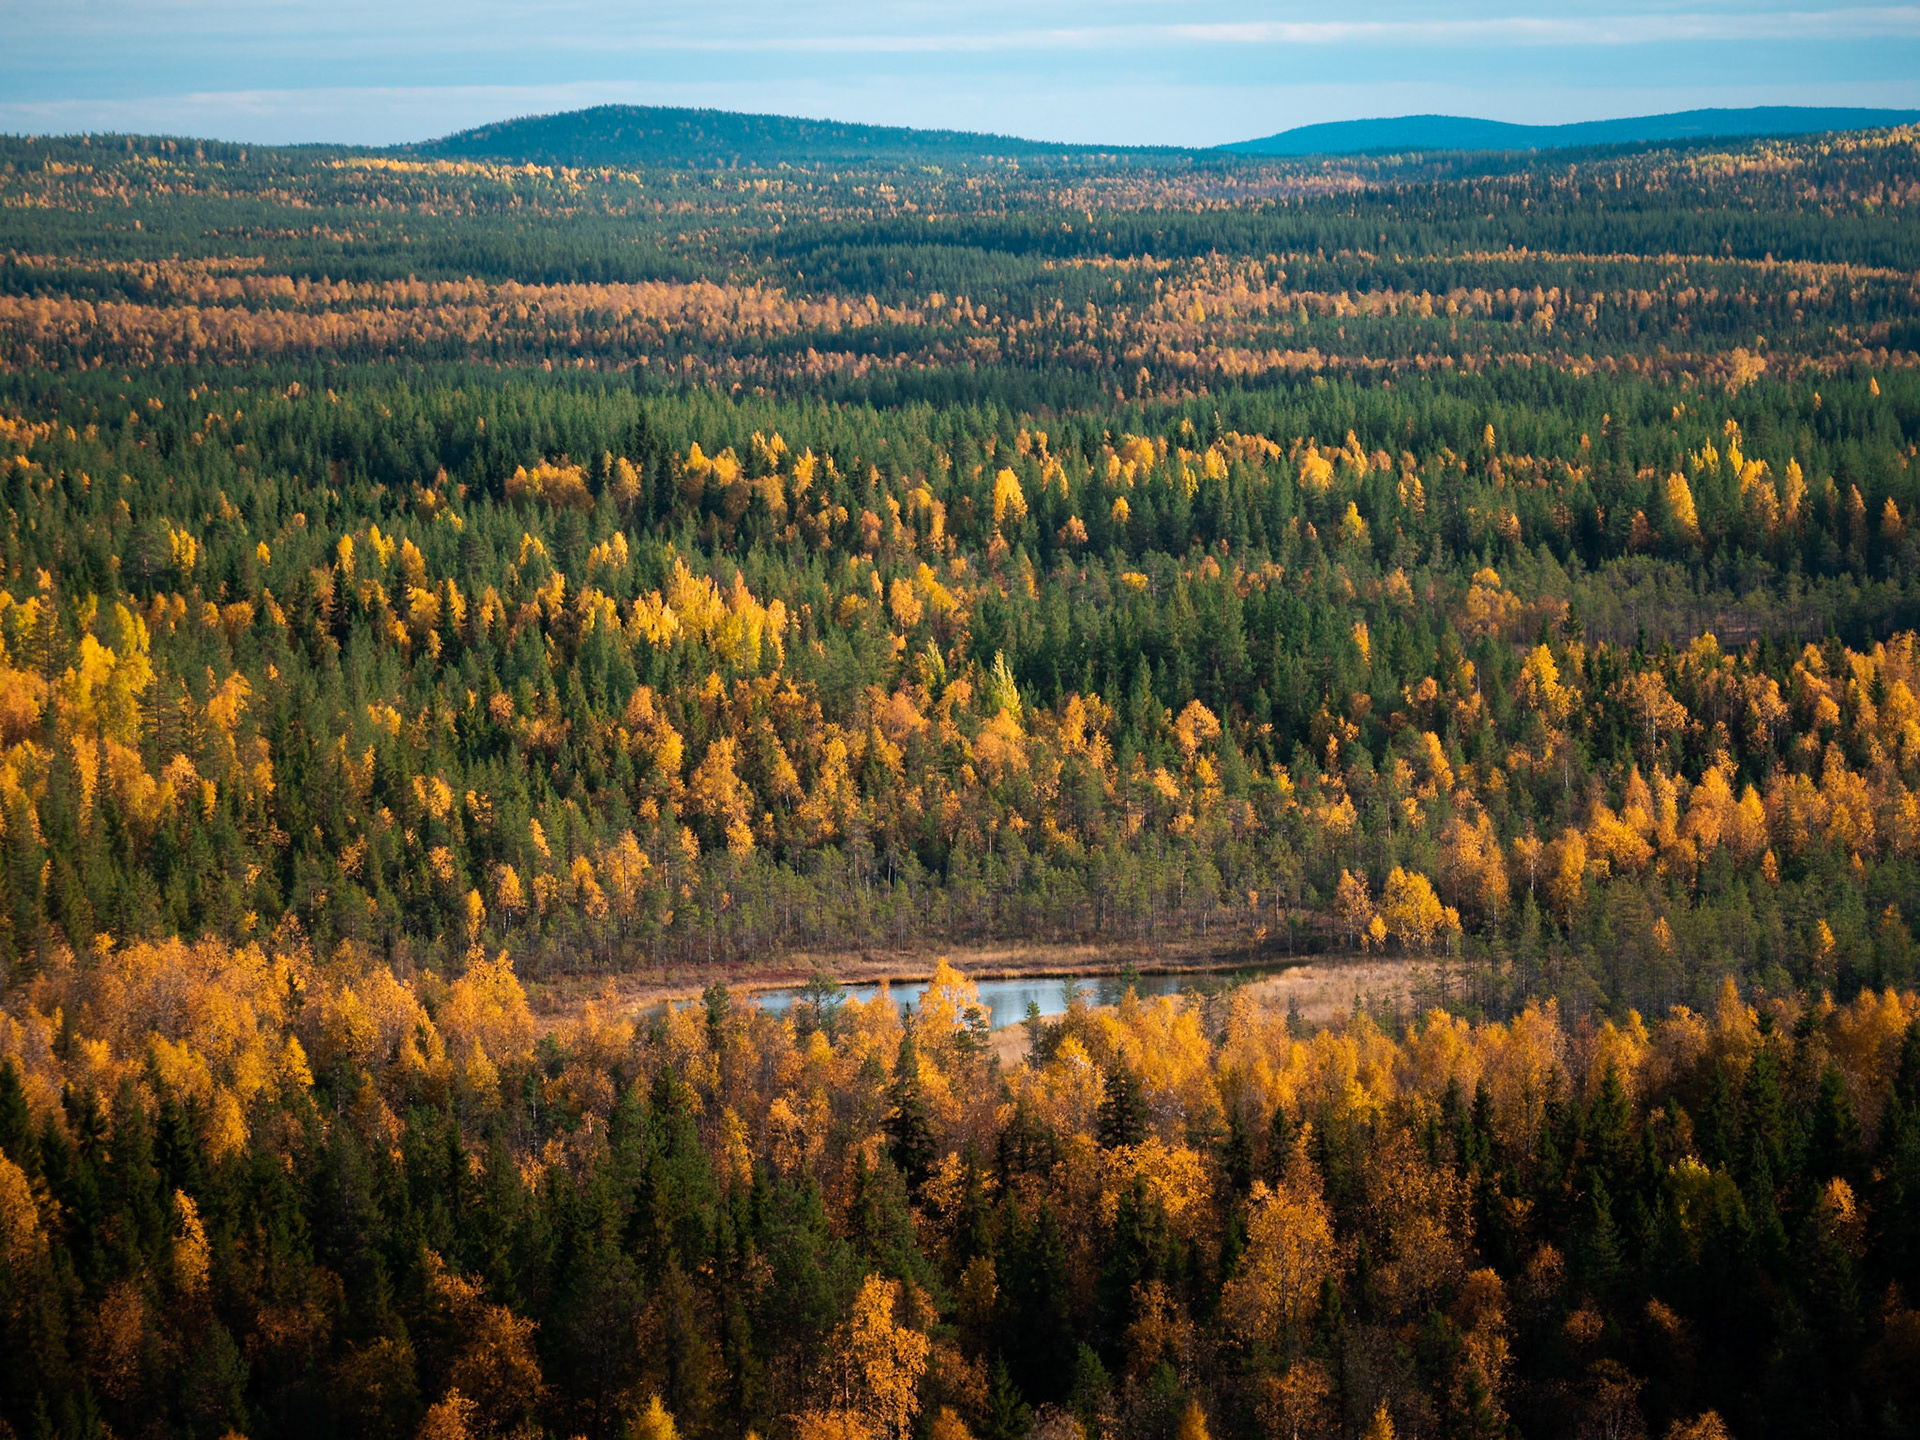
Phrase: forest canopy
(434, 586)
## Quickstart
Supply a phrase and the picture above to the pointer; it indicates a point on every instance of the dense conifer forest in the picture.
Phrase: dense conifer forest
(440, 582)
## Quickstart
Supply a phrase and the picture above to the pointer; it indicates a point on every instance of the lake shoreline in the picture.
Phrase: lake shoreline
(555, 1000)
(1272, 975)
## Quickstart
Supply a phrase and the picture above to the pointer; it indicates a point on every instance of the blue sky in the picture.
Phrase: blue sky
(1120, 71)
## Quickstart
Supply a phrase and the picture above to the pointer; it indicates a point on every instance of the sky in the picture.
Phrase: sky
(1202, 72)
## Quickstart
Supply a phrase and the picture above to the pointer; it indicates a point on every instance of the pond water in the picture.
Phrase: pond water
(1007, 1000)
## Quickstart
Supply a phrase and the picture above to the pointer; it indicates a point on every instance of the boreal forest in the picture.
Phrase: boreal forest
(470, 614)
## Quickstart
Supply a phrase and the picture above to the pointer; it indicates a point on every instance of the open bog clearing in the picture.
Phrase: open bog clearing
(1038, 965)
(1323, 989)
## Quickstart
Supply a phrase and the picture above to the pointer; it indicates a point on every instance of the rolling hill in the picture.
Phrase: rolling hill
(1457, 132)
(626, 135)
(659, 135)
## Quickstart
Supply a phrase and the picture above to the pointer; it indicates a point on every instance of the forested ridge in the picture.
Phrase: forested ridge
(430, 582)
(1457, 132)
(662, 136)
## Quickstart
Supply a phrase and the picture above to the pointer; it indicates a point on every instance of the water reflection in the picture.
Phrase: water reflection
(1007, 1000)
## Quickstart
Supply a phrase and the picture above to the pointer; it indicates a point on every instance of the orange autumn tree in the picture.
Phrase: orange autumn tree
(1290, 1250)
(1413, 913)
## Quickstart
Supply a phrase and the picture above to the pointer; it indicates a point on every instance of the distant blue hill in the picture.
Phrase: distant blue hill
(1456, 132)
(671, 136)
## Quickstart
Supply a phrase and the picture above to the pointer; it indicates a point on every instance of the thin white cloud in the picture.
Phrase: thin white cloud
(736, 28)
(1885, 22)
(1482, 32)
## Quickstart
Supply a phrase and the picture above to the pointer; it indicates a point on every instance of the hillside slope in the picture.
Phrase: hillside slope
(659, 135)
(1457, 132)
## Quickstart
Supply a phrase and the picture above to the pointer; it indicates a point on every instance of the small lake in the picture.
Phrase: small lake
(1007, 1000)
